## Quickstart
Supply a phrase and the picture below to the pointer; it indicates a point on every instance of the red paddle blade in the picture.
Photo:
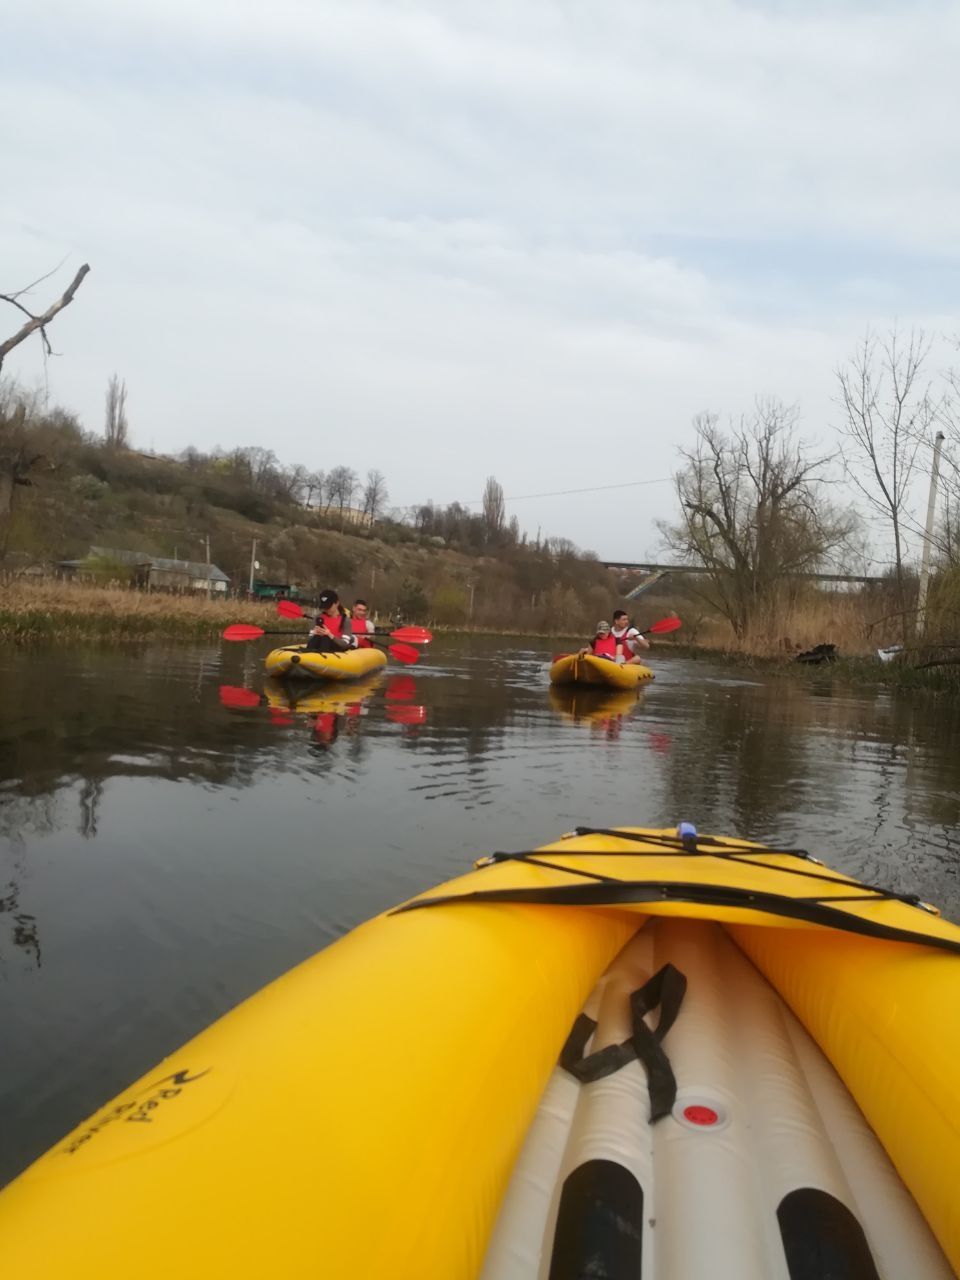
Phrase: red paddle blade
(404, 653)
(289, 609)
(407, 715)
(663, 626)
(231, 695)
(414, 635)
(241, 631)
(401, 689)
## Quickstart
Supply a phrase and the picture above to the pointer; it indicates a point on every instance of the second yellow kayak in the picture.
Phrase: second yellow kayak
(571, 668)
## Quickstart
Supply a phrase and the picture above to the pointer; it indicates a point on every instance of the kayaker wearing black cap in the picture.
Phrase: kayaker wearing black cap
(332, 632)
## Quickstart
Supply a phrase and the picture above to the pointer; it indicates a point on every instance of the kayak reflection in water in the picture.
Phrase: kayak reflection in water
(326, 729)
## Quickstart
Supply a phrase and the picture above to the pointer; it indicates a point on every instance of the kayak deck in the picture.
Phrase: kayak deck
(762, 1162)
(282, 1140)
(572, 668)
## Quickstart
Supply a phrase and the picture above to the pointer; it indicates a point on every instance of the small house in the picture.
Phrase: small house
(149, 572)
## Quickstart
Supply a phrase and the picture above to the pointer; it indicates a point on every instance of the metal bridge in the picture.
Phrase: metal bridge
(650, 567)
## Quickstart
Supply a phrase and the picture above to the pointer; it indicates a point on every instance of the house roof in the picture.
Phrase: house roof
(189, 568)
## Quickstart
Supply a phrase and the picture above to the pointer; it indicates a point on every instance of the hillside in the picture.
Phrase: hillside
(450, 566)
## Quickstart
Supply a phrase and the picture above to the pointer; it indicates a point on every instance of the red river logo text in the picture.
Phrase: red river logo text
(141, 1110)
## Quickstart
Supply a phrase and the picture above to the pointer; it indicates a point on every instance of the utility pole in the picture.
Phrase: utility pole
(208, 565)
(253, 564)
(927, 536)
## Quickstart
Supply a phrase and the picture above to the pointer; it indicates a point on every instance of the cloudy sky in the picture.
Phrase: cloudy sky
(450, 238)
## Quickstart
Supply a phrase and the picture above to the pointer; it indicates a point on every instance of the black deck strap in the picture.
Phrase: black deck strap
(532, 858)
(707, 846)
(596, 1065)
(665, 990)
(872, 892)
(622, 892)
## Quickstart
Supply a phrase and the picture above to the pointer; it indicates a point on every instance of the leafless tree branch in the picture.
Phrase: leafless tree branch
(38, 323)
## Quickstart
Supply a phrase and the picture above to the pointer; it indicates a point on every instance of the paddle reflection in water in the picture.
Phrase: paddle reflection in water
(400, 691)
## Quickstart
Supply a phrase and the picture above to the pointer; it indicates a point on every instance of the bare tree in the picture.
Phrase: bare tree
(340, 489)
(29, 444)
(374, 494)
(115, 429)
(313, 484)
(887, 412)
(290, 484)
(38, 323)
(494, 508)
(752, 513)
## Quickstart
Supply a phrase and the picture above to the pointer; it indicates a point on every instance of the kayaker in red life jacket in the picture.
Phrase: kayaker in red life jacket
(627, 638)
(603, 644)
(360, 624)
(332, 632)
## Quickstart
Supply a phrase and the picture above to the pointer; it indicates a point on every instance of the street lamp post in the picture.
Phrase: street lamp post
(928, 536)
(253, 564)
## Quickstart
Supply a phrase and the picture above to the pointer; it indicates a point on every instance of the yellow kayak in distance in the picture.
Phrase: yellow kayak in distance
(293, 662)
(571, 668)
(645, 1051)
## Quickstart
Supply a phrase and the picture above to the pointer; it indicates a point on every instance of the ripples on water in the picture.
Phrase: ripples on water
(167, 845)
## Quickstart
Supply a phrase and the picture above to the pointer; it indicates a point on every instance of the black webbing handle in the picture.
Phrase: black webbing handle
(665, 989)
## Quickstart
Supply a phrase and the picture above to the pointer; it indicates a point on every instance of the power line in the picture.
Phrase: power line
(563, 493)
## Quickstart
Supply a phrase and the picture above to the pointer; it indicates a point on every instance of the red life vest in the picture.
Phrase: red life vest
(333, 623)
(361, 629)
(620, 642)
(605, 646)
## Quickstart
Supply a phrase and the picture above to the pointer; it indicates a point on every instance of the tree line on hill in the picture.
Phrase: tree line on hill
(758, 508)
(69, 489)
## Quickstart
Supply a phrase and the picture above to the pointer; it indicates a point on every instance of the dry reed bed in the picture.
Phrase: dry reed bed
(31, 613)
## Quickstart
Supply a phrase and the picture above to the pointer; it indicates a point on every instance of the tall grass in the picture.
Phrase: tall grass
(70, 612)
(857, 623)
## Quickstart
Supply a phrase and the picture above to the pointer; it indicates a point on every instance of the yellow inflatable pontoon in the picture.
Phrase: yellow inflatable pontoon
(571, 668)
(631, 1053)
(294, 662)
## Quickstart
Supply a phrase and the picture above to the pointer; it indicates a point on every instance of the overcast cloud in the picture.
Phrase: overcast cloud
(452, 239)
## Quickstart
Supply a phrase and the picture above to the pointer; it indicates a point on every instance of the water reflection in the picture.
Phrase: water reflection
(175, 831)
(603, 710)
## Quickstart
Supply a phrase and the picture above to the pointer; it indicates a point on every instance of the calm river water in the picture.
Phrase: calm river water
(165, 849)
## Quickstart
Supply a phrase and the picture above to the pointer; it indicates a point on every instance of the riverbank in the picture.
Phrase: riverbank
(66, 612)
(914, 670)
(72, 613)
